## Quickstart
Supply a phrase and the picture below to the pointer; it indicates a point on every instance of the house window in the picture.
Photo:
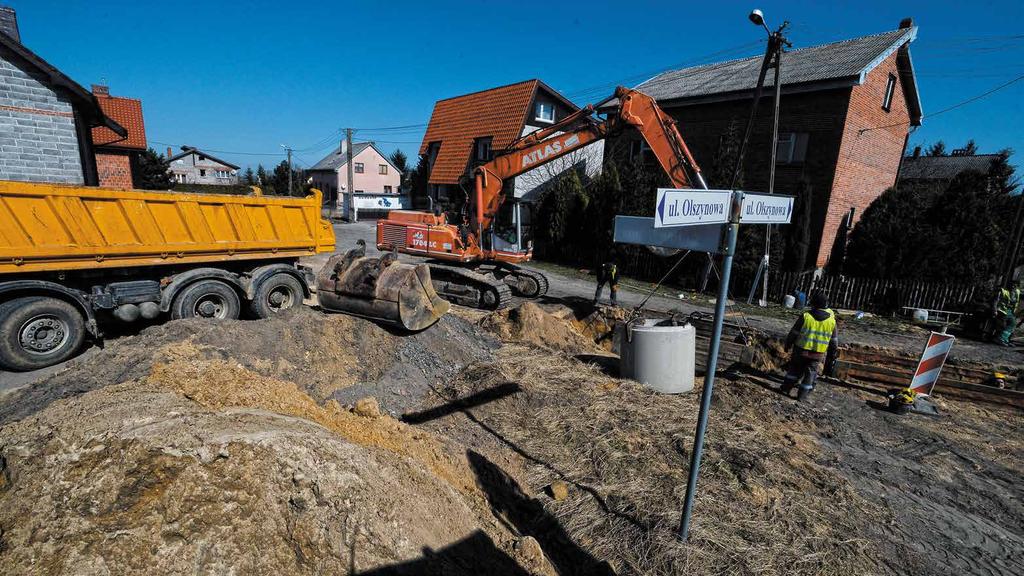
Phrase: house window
(387, 189)
(640, 151)
(382, 169)
(482, 149)
(202, 173)
(359, 168)
(889, 89)
(791, 148)
(545, 112)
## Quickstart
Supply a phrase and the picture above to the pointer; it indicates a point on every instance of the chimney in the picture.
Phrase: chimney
(917, 151)
(906, 23)
(9, 23)
(169, 154)
(100, 90)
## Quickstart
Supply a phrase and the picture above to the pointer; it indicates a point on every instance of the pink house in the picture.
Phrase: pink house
(375, 179)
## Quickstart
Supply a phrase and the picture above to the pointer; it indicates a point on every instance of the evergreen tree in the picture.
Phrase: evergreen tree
(937, 149)
(279, 179)
(419, 183)
(150, 171)
(936, 231)
(261, 176)
(798, 233)
(724, 162)
(401, 162)
(249, 179)
(970, 149)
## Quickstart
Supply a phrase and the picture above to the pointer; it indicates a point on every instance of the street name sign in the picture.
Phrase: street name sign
(766, 209)
(686, 207)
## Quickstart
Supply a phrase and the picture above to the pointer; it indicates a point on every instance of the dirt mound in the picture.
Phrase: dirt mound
(207, 467)
(330, 356)
(531, 324)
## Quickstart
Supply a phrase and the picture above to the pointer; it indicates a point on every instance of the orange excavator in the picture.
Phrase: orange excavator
(467, 265)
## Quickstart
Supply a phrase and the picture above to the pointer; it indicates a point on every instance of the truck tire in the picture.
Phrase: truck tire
(279, 292)
(38, 331)
(206, 299)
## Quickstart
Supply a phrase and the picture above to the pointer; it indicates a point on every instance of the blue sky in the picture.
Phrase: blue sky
(246, 77)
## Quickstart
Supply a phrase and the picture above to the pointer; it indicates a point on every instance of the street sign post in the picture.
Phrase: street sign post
(708, 221)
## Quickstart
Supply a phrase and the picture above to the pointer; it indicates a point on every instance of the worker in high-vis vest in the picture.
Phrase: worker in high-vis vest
(810, 340)
(1007, 303)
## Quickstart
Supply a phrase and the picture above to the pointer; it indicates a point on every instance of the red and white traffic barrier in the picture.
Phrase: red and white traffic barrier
(932, 360)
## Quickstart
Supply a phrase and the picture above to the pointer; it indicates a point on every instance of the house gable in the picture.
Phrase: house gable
(499, 113)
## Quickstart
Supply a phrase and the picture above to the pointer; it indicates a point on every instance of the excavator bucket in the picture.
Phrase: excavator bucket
(380, 289)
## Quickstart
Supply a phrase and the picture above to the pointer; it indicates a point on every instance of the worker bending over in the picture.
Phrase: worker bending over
(1006, 307)
(813, 334)
(608, 274)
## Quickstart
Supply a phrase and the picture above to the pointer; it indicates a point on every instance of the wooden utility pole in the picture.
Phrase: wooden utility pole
(354, 212)
(289, 171)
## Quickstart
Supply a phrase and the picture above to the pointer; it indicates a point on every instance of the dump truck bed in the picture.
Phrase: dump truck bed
(51, 227)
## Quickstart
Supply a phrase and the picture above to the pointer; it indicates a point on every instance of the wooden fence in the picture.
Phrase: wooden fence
(880, 296)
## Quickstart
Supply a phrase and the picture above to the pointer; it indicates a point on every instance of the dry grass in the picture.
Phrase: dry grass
(764, 505)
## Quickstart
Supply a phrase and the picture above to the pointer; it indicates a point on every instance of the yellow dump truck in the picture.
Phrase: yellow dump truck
(73, 258)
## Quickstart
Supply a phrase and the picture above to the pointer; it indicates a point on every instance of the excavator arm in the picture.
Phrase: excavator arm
(576, 131)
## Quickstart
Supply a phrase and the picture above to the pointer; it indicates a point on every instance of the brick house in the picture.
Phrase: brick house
(193, 166)
(464, 130)
(846, 112)
(46, 118)
(116, 155)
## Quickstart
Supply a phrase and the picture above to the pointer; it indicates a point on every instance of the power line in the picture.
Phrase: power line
(406, 127)
(954, 106)
(375, 141)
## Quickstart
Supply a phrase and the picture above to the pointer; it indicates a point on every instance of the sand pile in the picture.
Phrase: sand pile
(202, 464)
(329, 356)
(531, 324)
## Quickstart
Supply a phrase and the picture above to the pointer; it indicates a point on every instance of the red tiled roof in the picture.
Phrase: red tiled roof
(128, 113)
(456, 122)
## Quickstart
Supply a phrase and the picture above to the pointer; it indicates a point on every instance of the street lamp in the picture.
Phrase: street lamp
(757, 17)
(772, 59)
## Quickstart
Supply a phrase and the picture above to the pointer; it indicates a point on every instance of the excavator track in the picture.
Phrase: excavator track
(469, 288)
(540, 279)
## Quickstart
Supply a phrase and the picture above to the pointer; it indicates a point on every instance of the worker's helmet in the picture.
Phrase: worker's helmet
(819, 300)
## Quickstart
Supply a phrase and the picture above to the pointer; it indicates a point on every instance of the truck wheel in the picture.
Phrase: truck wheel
(206, 299)
(38, 331)
(279, 292)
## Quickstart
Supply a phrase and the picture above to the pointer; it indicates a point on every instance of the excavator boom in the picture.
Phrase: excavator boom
(471, 244)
